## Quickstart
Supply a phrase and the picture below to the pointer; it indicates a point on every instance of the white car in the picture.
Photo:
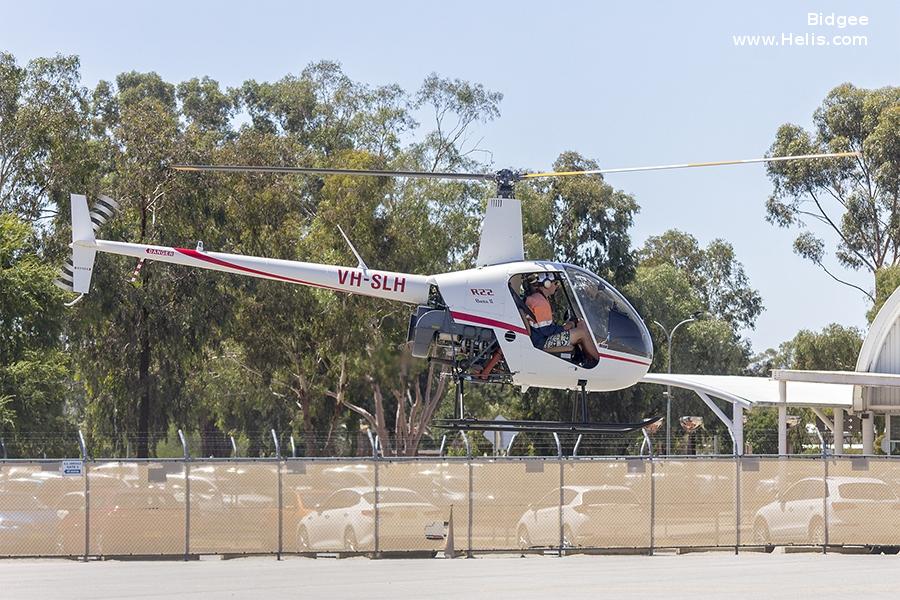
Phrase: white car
(592, 516)
(345, 520)
(797, 514)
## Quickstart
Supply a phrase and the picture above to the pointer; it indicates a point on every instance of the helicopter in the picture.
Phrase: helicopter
(475, 323)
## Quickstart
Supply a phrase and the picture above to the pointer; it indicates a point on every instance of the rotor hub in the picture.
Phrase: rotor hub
(506, 180)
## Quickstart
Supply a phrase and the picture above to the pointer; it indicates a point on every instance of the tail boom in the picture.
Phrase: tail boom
(402, 287)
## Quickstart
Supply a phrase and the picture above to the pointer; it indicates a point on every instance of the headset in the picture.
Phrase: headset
(544, 280)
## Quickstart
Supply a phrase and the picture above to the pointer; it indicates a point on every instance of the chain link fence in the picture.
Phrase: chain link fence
(184, 508)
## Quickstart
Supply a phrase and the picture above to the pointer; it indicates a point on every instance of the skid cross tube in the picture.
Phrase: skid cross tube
(548, 426)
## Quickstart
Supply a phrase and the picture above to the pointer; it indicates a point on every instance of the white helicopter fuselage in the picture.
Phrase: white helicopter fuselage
(480, 309)
(483, 297)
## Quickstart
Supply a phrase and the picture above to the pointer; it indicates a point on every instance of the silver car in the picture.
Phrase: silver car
(345, 520)
(592, 516)
(797, 516)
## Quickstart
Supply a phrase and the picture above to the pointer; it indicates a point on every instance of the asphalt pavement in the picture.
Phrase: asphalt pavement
(701, 575)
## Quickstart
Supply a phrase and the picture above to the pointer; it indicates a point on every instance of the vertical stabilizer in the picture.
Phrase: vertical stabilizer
(501, 232)
(82, 228)
(75, 276)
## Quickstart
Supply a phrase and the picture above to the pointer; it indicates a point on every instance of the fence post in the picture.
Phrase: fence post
(562, 527)
(3, 447)
(649, 445)
(377, 508)
(825, 501)
(293, 448)
(280, 495)
(471, 492)
(87, 497)
(187, 494)
(233, 447)
(737, 499)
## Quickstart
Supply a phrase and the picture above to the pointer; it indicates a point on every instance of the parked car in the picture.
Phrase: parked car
(345, 520)
(138, 521)
(27, 526)
(797, 515)
(601, 515)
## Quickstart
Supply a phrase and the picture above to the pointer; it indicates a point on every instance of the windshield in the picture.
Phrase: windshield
(614, 323)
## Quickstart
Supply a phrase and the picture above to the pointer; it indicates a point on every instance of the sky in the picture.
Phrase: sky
(625, 83)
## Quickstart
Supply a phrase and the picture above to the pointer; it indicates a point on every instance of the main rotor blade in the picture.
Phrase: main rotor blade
(717, 163)
(317, 171)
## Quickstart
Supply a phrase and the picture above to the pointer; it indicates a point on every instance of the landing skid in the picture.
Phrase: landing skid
(461, 422)
(541, 426)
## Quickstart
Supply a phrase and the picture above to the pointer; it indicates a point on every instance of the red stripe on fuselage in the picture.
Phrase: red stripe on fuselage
(488, 322)
(222, 263)
(622, 358)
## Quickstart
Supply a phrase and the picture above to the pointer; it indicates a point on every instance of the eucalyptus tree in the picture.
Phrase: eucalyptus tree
(34, 369)
(857, 200)
(43, 129)
(714, 274)
(581, 220)
(322, 352)
(139, 333)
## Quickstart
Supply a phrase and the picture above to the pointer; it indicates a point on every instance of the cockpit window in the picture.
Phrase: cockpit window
(613, 321)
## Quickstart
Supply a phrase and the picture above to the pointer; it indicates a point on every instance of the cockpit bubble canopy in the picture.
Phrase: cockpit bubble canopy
(611, 318)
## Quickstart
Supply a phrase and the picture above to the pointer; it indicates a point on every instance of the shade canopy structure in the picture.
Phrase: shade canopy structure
(760, 391)
(873, 386)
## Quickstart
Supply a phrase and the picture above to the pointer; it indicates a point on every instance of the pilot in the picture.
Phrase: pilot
(547, 335)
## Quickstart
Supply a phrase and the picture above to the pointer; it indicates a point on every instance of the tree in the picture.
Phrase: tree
(136, 343)
(676, 278)
(43, 128)
(456, 105)
(580, 220)
(887, 279)
(323, 365)
(713, 272)
(34, 371)
(835, 348)
(858, 199)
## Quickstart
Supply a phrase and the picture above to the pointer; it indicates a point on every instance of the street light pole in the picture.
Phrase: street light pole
(669, 337)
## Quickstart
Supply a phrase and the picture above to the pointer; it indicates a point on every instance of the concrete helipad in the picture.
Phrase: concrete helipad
(707, 575)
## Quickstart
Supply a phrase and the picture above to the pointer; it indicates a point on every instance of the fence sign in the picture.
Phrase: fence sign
(73, 468)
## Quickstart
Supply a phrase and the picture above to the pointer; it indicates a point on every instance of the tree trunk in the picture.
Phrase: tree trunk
(309, 430)
(212, 441)
(144, 391)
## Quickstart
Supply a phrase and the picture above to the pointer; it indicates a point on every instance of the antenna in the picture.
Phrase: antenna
(361, 264)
